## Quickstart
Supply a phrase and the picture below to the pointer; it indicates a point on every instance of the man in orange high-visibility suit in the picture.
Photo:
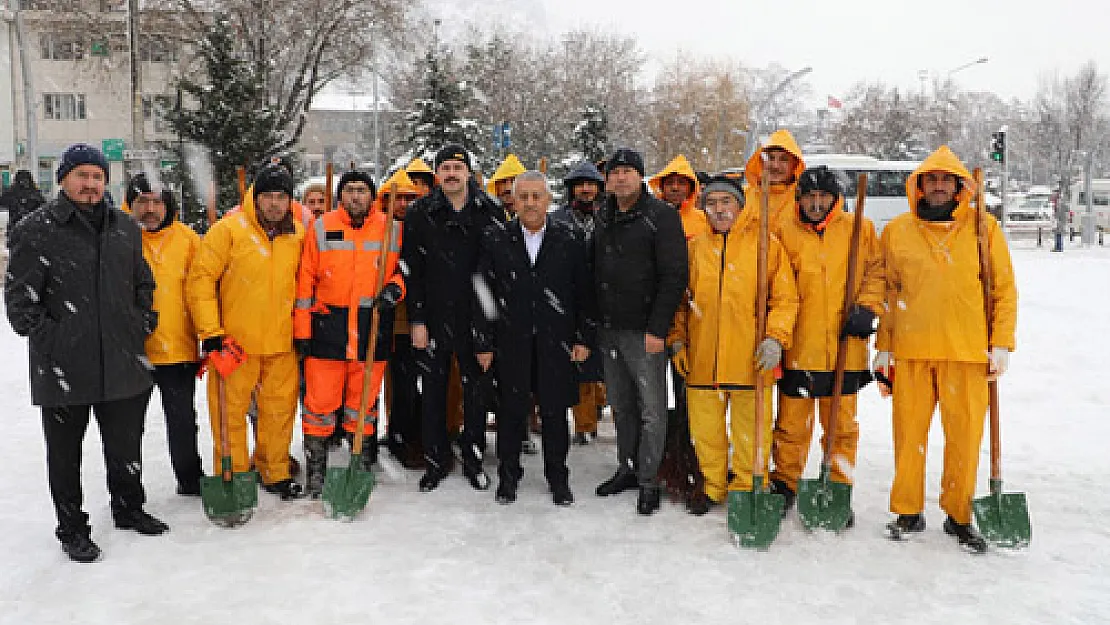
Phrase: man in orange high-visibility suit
(336, 295)
(935, 331)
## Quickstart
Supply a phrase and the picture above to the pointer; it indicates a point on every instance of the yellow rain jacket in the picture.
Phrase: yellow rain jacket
(934, 296)
(694, 221)
(509, 168)
(716, 322)
(418, 166)
(783, 196)
(243, 285)
(169, 252)
(820, 263)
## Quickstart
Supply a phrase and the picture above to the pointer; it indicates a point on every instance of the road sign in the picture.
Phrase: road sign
(142, 155)
(113, 149)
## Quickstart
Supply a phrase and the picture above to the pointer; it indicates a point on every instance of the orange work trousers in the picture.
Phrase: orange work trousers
(330, 384)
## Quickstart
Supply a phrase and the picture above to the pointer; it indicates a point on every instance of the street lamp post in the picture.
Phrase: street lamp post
(753, 132)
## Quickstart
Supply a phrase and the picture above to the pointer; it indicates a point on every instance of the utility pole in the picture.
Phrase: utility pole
(28, 93)
(1089, 215)
(377, 128)
(138, 139)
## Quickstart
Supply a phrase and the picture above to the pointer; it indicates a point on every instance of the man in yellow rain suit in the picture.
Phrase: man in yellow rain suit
(240, 291)
(935, 332)
(816, 238)
(783, 165)
(720, 355)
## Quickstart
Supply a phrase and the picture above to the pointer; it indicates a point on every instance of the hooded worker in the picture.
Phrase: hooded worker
(421, 175)
(781, 159)
(169, 247)
(817, 238)
(240, 292)
(720, 358)
(678, 186)
(500, 184)
(935, 332)
(336, 294)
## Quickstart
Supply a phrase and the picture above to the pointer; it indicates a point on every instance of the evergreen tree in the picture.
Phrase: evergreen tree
(438, 115)
(230, 116)
(591, 135)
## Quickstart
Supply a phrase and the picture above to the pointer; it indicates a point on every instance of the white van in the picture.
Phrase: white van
(1100, 204)
(886, 183)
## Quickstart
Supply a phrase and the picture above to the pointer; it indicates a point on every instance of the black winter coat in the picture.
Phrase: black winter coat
(583, 224)
(85, 300)
(20, 200)
(640, 265)
(440, 252)
(550, 302)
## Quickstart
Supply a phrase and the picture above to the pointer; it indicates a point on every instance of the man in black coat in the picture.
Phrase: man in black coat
(583, 187)
(440, 253)
(641, 273)
(534, 320)
(79, 289)
(20, 200)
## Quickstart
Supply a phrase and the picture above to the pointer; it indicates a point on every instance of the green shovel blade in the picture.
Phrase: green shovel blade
(1003, 518)
(754, 517)
(346, 490)
(824, 504)
(229, 503)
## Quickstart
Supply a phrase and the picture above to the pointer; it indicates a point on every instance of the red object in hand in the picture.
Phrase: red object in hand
(886, 381)
(228, 358)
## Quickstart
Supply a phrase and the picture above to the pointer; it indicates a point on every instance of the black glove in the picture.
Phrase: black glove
(860, 322)
(303, 347)
(212, 344)
(388, 298)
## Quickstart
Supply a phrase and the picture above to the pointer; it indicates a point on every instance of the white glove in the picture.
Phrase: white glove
(999, 359)
(883, 362)
(768, 355)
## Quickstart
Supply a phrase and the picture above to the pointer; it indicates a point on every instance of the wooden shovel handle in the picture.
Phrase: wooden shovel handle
(761, 321)
(986, 278)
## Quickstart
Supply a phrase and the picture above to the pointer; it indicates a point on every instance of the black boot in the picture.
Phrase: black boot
(79, 546)
(138, 520)
(906, 524)
(472, 466)
(700, 504)
(560, 493)
(779, 487)
(288, 489)
(433, 475)
(506, 491)
(316, 464)
(648, 501)
(966, 535)
(621, 481)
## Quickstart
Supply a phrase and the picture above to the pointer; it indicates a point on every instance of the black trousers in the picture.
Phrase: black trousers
(405, 411)
(512, 428)
(435, 367)
(177, 384)
(121, 434)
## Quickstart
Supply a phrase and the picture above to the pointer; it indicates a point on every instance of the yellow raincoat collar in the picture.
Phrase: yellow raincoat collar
(250, 211)
(946, 161)
(779, 139)
(678, 165)
(509, 168)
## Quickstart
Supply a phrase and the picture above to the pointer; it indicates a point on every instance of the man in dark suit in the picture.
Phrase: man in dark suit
(535, 294)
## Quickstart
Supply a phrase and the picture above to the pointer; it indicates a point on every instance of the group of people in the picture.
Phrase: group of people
(496, 304)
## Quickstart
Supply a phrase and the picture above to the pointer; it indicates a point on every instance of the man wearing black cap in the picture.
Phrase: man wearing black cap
(641, 272)
(240, 292)
(169, 247)
(79, 289)
(441, 238)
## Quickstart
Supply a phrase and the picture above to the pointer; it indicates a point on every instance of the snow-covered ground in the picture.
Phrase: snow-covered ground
(454, 556)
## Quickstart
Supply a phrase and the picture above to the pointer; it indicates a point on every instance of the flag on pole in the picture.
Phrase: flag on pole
(834, 103)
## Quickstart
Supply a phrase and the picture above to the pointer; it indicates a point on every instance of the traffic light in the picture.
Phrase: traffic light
(998, 147)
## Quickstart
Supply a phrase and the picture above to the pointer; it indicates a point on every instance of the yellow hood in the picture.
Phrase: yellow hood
(401, 179)
(779, 139)
(509, 168)
(678, 165)
(946, 161)
(418, 166)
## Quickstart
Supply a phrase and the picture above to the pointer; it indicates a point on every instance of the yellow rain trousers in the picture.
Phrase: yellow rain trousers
(794, 432)
(936, 328)
(712, 435)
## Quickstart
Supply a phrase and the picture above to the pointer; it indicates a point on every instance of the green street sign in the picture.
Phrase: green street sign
(5, 179)
(113, 149)
(99, 47)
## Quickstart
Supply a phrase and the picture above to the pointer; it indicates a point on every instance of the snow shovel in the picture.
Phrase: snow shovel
(754, 516)
(229, 499)
(347, 490)
(823, 503)
(1002, 518)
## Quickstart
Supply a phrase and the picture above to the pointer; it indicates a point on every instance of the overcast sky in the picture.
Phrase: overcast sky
(851, 40)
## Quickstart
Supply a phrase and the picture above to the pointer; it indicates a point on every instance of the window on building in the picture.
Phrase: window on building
(155, 108)
(62, 46)
(157, 49)
(63, 106)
